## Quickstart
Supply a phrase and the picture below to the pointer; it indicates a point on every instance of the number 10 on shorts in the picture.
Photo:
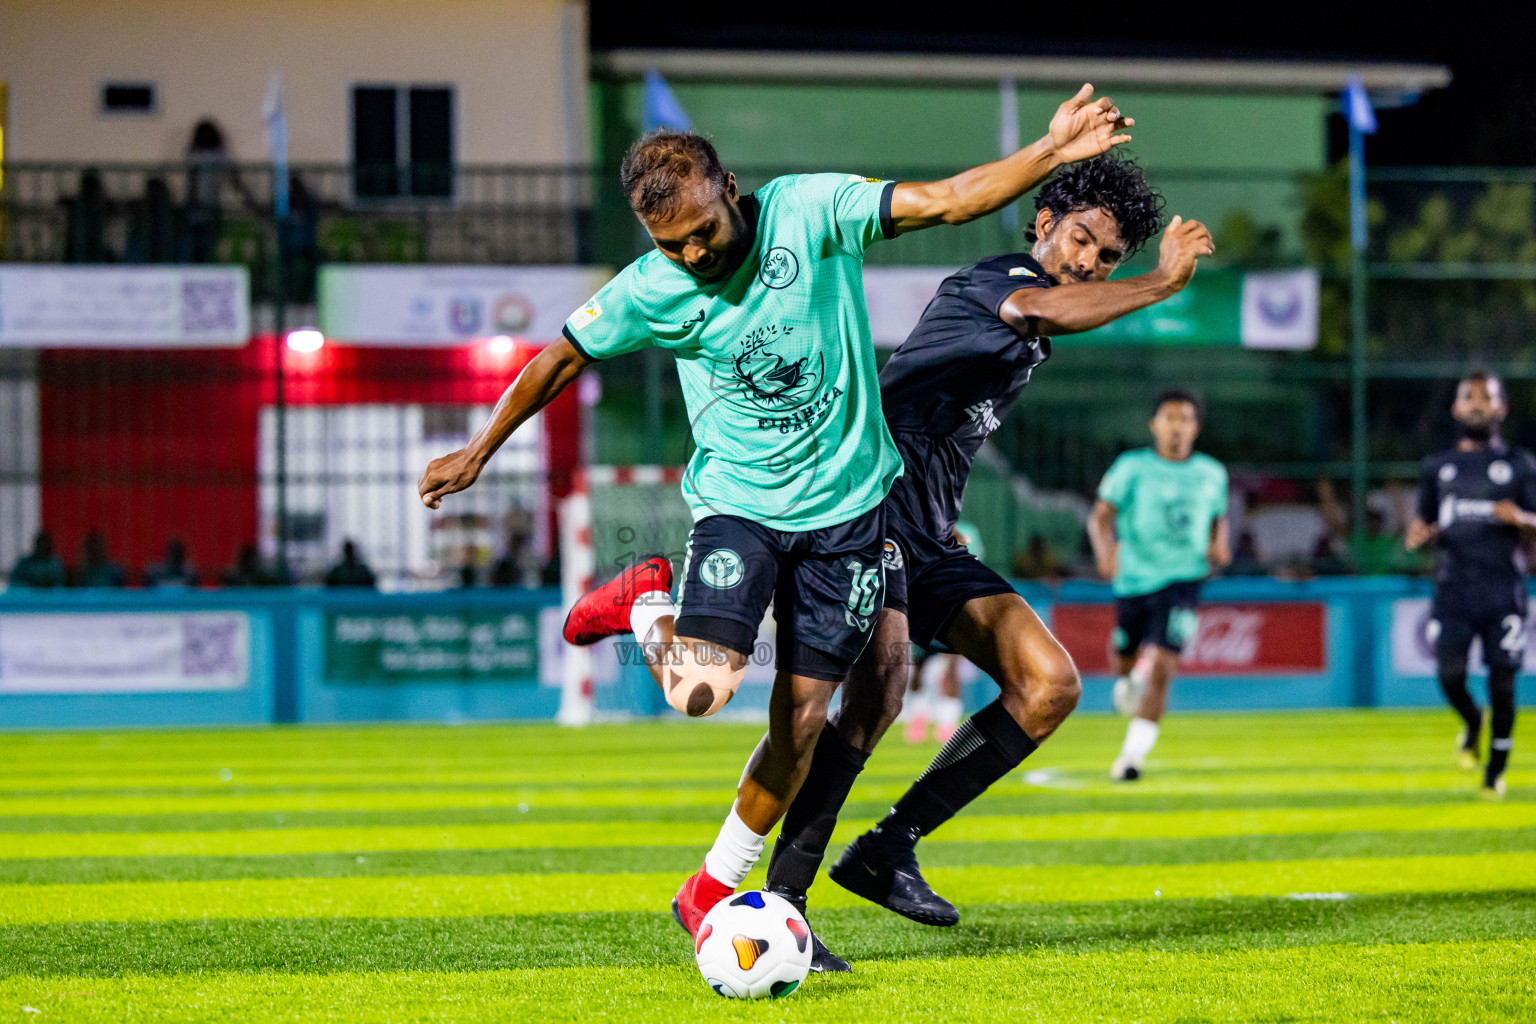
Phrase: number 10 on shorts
(863, 590)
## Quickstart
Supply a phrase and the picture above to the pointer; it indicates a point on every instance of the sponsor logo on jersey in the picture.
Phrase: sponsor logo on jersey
(1452, 509)
(890, 556)
(983, 414)
(1447, 473)
(780, 268)
(1021, 272)
(1499, 472)
(860, 177)
(585, 315)
(722, 569)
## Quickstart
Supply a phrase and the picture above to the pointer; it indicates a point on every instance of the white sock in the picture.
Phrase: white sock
(735, 852)
(1140, 738)
(949, 711)
(648, 607)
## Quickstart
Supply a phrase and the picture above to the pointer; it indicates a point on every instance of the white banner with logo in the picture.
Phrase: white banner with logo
(1413, 650)
(1280, 309)
(897, 297)
(426, 305)
(48, 306)
(124, 652)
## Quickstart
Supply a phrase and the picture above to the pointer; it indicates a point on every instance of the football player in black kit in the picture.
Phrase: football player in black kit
(944, 390)
(1478, 501)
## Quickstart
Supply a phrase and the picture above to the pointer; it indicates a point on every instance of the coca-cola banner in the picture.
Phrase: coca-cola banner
(1259, 638)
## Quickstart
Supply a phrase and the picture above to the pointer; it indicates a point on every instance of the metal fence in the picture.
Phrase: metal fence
(1450, 277)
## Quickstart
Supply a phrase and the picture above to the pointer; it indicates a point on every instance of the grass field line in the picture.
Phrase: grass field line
(169, 794)
(587, 835)
(1447, 982)
(457, 896)
(136, 805)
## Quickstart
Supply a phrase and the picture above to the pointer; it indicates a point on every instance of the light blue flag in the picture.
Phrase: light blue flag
(274, 112)
(1357, 107)
(661, 107)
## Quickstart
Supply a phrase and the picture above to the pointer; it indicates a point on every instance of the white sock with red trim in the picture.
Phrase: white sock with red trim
(647, 609)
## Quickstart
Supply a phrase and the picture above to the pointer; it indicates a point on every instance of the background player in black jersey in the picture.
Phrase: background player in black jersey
(944, 391)
(1478, 501)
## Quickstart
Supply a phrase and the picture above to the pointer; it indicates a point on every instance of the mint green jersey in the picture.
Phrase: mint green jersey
(776, 362)
(1164, 515)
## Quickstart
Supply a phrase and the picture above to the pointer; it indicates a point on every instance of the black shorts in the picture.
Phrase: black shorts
(1165, 617)
(1498, 620)
(929, 576)
(826, 586)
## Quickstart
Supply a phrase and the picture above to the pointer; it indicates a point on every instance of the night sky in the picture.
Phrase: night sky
(1486, 116)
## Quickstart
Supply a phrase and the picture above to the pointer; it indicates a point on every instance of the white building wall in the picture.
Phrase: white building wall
(511, 63)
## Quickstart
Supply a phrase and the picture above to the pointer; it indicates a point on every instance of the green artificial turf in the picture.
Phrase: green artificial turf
(1271, 867)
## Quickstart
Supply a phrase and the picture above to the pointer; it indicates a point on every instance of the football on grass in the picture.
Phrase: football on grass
(754, 945)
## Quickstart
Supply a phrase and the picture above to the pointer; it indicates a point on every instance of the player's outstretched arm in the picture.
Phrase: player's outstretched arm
(1072, 308)
(1101, 534)
(1082, 129)
(545, 376)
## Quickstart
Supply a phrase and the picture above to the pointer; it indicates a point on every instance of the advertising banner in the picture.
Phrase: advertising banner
(48, 306)
(1270, 309)
(128, 652)
(1261, 638)
(472, 645)
(430, 305)
(1413, 653)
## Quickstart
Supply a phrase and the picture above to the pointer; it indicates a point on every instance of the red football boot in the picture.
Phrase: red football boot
(696, 898)
(604, 612)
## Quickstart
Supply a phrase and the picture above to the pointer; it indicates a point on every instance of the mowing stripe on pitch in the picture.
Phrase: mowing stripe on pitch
(455, 896)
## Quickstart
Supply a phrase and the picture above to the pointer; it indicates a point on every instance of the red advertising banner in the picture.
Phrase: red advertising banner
(1280, 638)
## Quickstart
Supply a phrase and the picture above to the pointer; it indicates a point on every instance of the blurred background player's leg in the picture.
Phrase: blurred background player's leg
(1452, 637)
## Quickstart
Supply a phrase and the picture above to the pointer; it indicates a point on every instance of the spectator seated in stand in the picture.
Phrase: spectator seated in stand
(41, 568)
(1245, 557)
(351, 571)
(96, 568)
(175, 571)
(248, 571)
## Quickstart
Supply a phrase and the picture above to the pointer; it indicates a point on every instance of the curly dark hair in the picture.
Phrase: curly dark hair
(660, 164)
(1114, 183)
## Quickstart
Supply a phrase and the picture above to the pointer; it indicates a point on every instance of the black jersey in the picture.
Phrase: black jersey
(1457, 490)
(959, 372)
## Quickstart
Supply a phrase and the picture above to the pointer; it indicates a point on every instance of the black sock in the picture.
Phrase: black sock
(1453, 683)
(985, 748)
(808, 824)
(1501, 725)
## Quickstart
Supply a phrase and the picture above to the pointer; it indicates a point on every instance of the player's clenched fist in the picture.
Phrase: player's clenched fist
(447, 475)
(1184, 242)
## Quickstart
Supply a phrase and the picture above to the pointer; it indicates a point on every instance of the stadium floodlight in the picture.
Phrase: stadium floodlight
(306, 339)
(500, 345)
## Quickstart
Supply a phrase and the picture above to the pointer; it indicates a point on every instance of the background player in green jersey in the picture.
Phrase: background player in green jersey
(760, 299)
(1158, 529)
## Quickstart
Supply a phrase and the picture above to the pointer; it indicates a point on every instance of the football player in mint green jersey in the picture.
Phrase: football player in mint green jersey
(1158, 530)
(760, 299)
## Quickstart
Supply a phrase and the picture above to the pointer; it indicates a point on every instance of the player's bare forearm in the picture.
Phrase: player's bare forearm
(1081, 129)
(545, 376)
(1101, 535)
(1220, 553)
(1419, 534)
(1507, 511)
(1074, 308)
(974, 193)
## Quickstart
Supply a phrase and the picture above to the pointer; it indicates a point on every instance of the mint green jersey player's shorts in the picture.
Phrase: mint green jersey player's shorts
(1164, 514)
(793, 458)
